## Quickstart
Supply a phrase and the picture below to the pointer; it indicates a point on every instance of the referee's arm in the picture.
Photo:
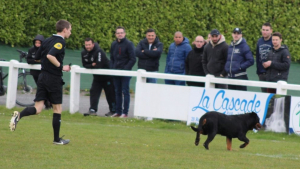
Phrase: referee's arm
(56, 63)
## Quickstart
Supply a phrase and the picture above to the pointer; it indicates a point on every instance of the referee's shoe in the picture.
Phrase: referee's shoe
(61, 141)
(14, 121)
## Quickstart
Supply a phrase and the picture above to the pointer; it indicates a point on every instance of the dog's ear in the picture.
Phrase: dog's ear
(195, 129)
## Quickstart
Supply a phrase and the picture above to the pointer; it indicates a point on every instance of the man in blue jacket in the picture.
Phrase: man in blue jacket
(264, 45)
(239, 58)
(149, 51)
(177, 54)
(122, 57)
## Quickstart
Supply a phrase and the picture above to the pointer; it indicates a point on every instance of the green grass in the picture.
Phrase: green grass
(101, 142)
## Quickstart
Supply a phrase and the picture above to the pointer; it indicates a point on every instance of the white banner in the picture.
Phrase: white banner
(295, 115)
(229, 102)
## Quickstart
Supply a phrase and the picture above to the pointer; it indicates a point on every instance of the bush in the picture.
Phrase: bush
(21, 20)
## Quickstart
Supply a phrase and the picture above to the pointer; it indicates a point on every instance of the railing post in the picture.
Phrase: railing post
(209, 84)
(140, 80)
(74, 89)
(12, 84)
(279, 89)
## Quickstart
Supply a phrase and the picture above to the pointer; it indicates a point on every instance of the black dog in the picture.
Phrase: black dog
(231, 126)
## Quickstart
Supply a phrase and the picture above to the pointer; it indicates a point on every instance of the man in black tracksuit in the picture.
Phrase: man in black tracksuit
(149, 51)
(193, 61)
(278, 62)
(93, 57)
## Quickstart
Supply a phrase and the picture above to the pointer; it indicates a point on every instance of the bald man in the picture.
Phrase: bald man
(177, 54)
(193, 62)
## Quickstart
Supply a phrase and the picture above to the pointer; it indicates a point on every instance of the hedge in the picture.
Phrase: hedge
(21, 20)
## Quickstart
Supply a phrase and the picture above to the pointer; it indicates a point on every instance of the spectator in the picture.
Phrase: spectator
(37, 42)
(239, 59)
(177, 54)
(215, 56)
(122, 57)
(93, 57)
(193, 62)
(277, 62)
(149, 51)
(264, 45)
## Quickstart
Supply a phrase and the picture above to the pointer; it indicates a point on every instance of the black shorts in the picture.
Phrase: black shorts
(49, 87)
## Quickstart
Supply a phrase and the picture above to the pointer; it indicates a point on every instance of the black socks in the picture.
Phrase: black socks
(56, 125)
(28, 111)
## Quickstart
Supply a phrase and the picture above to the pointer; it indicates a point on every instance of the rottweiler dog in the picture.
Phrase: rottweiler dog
(231, 126)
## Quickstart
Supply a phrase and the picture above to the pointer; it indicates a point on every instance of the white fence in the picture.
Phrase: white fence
(151, 100)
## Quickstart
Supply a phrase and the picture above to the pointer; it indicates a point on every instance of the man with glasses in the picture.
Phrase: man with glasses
(122, 57)
(193, 62)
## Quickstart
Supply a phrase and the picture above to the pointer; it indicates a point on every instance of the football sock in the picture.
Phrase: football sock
(56, 125)
(28, 111)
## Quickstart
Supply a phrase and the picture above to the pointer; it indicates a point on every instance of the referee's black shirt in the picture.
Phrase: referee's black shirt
(55, 46)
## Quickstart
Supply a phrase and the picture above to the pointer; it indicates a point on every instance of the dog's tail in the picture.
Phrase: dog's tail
(199, 131)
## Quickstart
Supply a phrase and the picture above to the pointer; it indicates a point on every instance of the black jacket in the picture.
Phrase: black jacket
(193, 62)
(31, 52)
(122, 55)
(98, 56)
(149, 59)
(280, 66)
(31, 55)
(214, 58)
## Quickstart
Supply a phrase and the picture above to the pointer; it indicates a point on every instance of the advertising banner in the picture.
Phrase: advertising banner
(229, 102)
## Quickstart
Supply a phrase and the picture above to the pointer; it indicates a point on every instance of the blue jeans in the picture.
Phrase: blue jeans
(175, 82)
(122, 89)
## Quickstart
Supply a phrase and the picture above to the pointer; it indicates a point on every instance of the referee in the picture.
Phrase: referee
(50, 82)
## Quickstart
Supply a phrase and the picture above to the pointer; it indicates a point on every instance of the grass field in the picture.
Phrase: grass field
(101, 142)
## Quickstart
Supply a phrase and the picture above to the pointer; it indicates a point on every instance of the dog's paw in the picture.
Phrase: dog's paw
(206, 146)
(243, 145)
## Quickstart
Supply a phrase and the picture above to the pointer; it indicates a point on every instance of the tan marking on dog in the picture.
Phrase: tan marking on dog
(204, 122)
(228, 141)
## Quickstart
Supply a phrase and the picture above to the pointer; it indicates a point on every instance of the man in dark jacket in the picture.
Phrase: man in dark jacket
(193, 62)
(264, 45)
(177, 54)
(37, 42)
(122, 57)
(149, 51)
(278, 61)
(215, 56)
(239, 59)
(93, 57)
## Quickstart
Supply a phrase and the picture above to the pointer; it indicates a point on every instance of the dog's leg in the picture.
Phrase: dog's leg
(210, 137)
(244, 139)
(197, 138)
(228, 141)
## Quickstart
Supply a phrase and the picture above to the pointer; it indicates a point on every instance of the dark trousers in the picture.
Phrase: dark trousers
(237, 87)
(197, 84)
(262, 77)
(122, 90)
(95, 94)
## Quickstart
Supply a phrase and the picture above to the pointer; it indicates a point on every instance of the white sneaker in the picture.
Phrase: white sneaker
(61, 141)
(14, 121)
(123, 116)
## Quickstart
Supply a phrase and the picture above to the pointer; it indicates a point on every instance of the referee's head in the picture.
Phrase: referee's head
(63, 27)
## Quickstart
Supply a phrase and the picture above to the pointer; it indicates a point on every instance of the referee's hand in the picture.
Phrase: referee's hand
(66, 68)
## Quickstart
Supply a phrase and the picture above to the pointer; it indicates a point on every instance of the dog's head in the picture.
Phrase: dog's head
(256, 124)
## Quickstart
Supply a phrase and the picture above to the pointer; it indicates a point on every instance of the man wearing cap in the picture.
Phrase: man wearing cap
(215, 56)
(239, 58)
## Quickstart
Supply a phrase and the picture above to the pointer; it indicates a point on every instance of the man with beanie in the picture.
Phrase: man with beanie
(239, 59)
(193, 62)
(215, 56)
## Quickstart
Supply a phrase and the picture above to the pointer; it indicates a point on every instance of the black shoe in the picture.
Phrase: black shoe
(91, 112)
(61, 141)
(109, 114)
